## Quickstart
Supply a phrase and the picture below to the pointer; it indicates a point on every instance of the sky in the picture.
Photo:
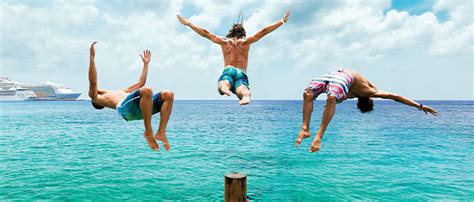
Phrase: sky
(422, 49)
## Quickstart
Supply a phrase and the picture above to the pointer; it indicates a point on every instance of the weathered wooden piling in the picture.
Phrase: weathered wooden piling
(235, 187)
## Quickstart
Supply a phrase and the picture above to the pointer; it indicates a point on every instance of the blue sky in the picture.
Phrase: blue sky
(414, 7)
(420, 48)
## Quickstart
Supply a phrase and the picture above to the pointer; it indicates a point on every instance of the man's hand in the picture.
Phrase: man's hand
(430, 110)
(287, 14)
(182, 20)
(92, 49)
(146, 57)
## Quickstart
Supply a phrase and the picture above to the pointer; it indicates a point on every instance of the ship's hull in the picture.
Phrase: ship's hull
(15, 98)
(59, 97)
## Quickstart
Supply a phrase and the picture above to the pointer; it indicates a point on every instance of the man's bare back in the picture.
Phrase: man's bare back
(236, 53)
(109, 98)
(360, 85)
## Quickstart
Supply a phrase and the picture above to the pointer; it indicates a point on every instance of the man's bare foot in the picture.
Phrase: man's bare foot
(151, 141)
(245, 100)
(316, 145)
(303, 135)
(223, 89)
(162, 137)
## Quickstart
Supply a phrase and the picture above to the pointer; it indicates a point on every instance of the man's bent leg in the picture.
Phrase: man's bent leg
(165, 113)
(146, 107)
(244, 94)
(223, 87)
(308, 98)
(329, 111)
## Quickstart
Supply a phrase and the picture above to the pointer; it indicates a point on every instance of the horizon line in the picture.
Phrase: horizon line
(301, 99)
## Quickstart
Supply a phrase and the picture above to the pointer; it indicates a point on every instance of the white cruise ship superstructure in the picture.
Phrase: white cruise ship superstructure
(52, 91)
(12, 91)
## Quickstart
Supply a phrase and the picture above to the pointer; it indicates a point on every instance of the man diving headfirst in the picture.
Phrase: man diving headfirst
(339, 86)
(135, 102)
(235, 48)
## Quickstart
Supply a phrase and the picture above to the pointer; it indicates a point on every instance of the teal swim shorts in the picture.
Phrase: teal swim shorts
(129, 108)
(235, 76)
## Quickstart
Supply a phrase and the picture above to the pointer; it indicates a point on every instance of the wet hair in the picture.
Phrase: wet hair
(365, 104)
(237, 31)
(96, 106)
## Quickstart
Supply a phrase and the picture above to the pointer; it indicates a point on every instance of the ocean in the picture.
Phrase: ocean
(68, 150)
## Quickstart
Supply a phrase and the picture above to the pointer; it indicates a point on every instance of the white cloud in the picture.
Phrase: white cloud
(460, 12)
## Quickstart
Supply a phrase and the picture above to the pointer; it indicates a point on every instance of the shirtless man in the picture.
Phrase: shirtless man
(235, 48)
(135, 102)
(339, 86)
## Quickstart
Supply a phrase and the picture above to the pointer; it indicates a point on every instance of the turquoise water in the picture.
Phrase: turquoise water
(68, 150)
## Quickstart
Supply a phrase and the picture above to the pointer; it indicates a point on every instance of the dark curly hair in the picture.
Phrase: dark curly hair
(237, 30)
(96, 106)
(365, 104)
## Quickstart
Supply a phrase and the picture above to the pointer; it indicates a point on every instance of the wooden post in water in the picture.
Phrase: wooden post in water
(235, 187)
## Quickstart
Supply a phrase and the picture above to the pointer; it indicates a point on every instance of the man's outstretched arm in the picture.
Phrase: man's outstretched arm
(266, 30)
(146, 57)
(92, 73)
(201, 31)
(404, 100)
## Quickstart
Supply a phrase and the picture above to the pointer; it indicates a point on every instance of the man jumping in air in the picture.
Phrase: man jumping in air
(135, 102)
(339, 86)
(235, 48)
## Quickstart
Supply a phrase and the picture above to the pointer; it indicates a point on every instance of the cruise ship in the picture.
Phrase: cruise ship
(52, 91)
(12, 91)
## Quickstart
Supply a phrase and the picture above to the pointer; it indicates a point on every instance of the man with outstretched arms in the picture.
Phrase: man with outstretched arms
(235, 48)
